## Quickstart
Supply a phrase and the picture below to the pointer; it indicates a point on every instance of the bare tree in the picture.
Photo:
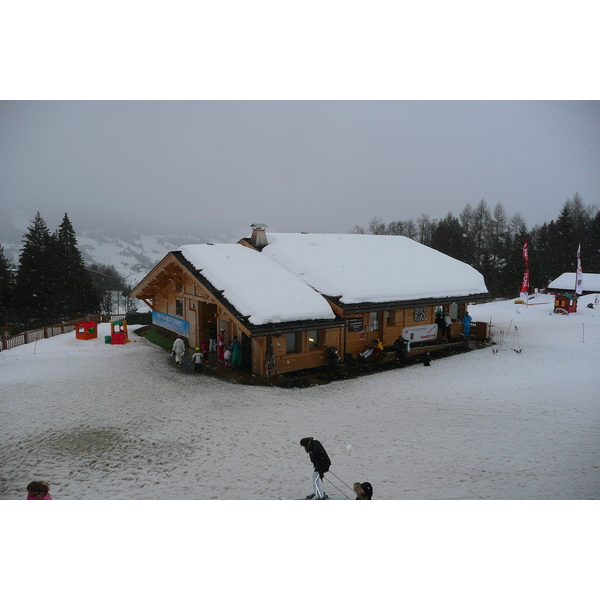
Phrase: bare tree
(376, 226)
(357, 229)
(425, 227)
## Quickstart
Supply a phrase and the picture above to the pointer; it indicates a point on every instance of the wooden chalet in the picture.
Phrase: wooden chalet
(289, 297)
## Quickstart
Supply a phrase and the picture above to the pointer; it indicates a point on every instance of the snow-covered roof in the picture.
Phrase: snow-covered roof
(285, 281)
(372, 268)
(591, 282)
(258, 287)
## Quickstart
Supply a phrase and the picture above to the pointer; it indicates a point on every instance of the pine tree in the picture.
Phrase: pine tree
(512, 275)
(592, 246)
(565, 244)
(6, 290)
(34, 288)
(481, 228)
(75, 291)
(448, 237)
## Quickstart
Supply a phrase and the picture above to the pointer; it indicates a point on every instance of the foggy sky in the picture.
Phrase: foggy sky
(213, 167)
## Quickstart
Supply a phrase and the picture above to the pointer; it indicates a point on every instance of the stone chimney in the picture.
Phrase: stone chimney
(259, 236)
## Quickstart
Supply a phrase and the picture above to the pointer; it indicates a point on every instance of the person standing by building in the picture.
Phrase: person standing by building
(38, 490)
(466, 322)
(321, 463)
(178, 349)
(448, 326)
(400, 346)
(439, 320)
(221, 346)
(212, 336)
(236, 353)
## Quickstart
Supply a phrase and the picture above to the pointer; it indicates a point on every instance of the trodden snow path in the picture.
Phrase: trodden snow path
(120, 422)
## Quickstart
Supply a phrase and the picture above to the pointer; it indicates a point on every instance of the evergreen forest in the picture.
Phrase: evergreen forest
(492, 242)
(50, 283)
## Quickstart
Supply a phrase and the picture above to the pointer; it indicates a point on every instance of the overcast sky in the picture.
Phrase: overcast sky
(320, 166)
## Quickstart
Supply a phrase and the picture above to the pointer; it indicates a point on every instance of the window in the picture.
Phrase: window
(179, 308)
(313, 339)
(291, 342)
(454, 311)
(179, 286)
(373, 321)
(390, 317)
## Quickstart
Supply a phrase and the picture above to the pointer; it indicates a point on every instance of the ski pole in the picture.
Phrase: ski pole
(341, 480)
(335, 486)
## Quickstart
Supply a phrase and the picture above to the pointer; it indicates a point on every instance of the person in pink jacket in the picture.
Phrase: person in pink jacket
(38, 490)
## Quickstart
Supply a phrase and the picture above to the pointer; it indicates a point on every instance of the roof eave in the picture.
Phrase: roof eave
(359, 307)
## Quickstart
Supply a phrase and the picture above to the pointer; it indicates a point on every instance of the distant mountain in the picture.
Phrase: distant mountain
(133, 254)
(132, 250)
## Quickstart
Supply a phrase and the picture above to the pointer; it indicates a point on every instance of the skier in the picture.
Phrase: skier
(466, 321)
(178, 349)
(364, 491)
(427, 359)
(38, 490)
(321, 464)
(197, 358)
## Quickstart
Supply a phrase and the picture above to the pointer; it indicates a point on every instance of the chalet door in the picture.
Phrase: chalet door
(246, 351)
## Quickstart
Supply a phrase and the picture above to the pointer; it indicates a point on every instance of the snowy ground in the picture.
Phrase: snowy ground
(120, 422)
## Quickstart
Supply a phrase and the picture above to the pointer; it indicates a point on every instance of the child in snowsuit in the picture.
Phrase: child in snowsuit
(321, 464)
(364, 491)
(197, 358)
(204, 349)
(38, 490)
(227, 358)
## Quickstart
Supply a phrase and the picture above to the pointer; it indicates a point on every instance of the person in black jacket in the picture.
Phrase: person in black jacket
(321, 464)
